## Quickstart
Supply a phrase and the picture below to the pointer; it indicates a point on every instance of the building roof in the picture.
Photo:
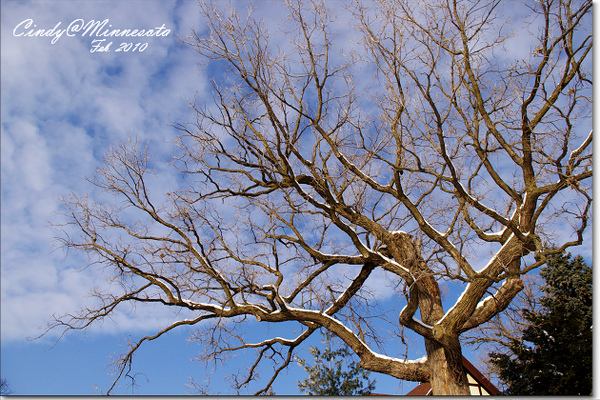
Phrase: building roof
(478, 383)
(424, 389)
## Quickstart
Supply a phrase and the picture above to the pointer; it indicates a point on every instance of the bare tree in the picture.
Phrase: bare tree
(4, 387)
(418, 146)
(499, 332)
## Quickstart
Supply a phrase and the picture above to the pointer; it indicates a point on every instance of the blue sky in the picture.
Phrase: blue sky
(62, 108)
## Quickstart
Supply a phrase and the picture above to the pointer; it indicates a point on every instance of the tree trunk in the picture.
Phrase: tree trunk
(444, 355)
(448, 377)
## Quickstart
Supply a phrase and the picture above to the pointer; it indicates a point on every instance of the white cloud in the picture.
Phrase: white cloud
(32, 157)
(62, 107)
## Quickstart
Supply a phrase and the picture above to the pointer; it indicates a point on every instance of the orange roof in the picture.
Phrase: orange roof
(424, 389)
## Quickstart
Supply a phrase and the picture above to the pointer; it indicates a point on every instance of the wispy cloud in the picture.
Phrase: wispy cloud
(62, 107)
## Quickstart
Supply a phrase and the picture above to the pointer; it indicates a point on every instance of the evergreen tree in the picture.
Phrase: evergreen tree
(328, 377)
(554, 354)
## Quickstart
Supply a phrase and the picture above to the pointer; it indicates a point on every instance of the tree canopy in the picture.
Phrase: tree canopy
(553, 356)
(348, 145)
